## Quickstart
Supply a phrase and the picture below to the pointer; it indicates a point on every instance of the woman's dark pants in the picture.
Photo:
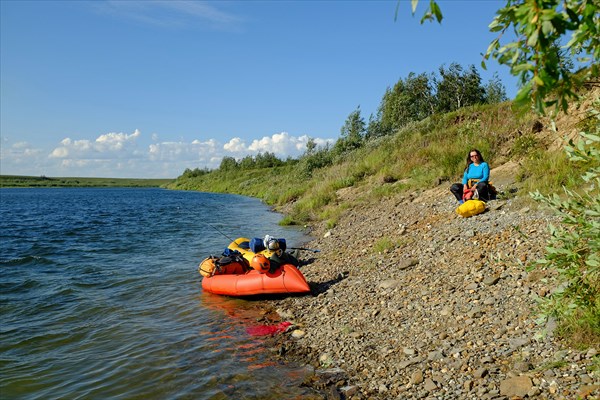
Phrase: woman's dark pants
(482, 187)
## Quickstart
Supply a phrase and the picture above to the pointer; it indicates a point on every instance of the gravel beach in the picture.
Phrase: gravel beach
(412, 301)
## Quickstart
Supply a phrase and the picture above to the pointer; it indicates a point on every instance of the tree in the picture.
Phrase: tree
(188, 173)
(495, 91)
(411, 99)
(352, 133)
(458, 88)
(390, 108)
(228, 164)
(374, 127)
(311, 147)
(267, 160)
(247, 162)
(321, 157)
(420, 99)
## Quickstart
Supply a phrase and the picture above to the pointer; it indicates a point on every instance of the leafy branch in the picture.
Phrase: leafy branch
(536, 56)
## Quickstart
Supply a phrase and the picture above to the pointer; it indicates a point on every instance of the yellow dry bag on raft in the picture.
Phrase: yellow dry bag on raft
(470, 208)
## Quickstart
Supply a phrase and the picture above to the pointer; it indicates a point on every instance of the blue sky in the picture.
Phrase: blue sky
(145, 89)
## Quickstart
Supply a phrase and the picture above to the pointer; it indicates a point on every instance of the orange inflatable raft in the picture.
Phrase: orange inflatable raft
(237, 279)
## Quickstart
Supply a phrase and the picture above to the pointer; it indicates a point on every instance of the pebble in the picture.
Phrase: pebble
(445, 314)
(298, 334)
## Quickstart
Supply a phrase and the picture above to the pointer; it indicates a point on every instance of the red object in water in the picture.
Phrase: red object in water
(264, 330)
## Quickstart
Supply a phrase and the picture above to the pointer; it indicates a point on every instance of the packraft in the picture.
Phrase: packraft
(236, 273)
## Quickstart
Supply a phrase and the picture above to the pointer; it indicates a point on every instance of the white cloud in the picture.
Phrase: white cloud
(19, 150)
(109, 143)
(20, 156)
(32, 152)
(171, 13)
(113, 141)
(20, 145)
(75, 163)
(235, 145)
(59, 152)
(199, 9)
(182, 151)
(284, 145)
(122, 155)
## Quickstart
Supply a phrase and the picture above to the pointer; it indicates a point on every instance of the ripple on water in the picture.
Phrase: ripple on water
(100, 298)
(24, 261)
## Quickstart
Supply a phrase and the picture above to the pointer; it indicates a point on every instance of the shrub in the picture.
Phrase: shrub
(524, 145)
(573, 250)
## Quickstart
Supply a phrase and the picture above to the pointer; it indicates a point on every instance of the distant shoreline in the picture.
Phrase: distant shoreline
(21, 181)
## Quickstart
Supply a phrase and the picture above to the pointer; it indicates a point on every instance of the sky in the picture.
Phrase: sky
(146, 89)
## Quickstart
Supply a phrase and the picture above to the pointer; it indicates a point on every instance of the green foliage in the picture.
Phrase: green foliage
(7, 181)
(573, 250)
(543, 73)
(267, 160)
(228, 164)
(288, 220)
(391, 113)
(457, 88)
(420, 96)
(495, 91)
(524, 144)
(432, 12)
(332, 215)
(315, 159)
(352, 133)
(409, 100)
(309, 206)
(311, 147)
(188, 173)
(470, 129)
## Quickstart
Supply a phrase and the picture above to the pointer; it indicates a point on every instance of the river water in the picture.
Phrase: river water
(100, 297)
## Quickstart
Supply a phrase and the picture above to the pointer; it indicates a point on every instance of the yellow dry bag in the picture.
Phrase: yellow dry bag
(470, 208)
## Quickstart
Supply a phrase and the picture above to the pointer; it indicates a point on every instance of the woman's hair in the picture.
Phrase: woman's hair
(469, 161)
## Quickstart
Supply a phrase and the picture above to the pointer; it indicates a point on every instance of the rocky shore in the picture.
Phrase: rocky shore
(412, 301)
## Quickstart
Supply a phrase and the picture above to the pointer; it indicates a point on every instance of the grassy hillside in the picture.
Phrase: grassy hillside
(43, 181)
(419, 156)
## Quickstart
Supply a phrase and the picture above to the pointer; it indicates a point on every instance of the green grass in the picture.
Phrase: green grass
(419, 156)
(534, 172)
(384, 244)
(48, 182)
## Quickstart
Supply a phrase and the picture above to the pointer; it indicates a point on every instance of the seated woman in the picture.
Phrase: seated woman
(475, 178)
